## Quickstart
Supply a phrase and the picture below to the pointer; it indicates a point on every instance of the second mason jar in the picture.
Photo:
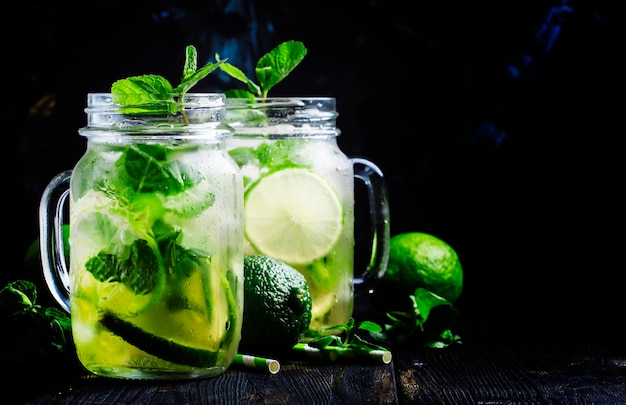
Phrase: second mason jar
(299, 201)
(155, 279)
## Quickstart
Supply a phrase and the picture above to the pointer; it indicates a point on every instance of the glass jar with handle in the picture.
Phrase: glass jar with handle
(299, 202)
(154, 283)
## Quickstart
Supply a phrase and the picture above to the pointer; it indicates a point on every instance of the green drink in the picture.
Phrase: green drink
(299, 202)
(156, 242)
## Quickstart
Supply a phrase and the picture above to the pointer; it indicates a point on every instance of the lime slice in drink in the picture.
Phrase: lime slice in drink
(116, 259)
(293, 215)
(119, 298)
(191, 202)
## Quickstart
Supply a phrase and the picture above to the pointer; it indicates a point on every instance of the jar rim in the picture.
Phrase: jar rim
(280, 101)
(194, 100)
(195, 115)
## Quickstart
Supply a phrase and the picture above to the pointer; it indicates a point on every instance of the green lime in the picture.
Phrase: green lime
(293, 215)
(418, 259)
(277, 306)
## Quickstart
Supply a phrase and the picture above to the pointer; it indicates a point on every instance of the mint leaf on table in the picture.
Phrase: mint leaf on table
(270, 70)
(32, 336)
(349, 338)
(428, 324)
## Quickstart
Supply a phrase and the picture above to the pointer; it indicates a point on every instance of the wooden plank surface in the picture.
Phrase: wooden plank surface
(514, 373)
(297, 382)
(552, 373)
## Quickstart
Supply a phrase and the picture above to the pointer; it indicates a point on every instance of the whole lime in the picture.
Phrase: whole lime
(418, 259)
(277, 306)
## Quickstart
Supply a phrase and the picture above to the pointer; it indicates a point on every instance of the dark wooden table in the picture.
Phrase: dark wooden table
(552, 372)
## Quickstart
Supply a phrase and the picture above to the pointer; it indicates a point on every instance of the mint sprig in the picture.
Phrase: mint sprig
(33, 333)
(428, 324)
(154, 94)
(270, 70)
(349, 338)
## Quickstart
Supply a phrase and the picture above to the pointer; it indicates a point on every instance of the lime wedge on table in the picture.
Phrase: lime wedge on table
(293, 215)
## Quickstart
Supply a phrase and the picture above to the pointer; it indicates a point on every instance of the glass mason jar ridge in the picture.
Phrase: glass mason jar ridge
(299, 203)
(155, 280)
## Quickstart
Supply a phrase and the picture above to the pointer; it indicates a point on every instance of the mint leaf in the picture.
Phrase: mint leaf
(191, 63)
(191, 76)
(139, 272)
(235, 72)
(428, 325)
(349, 338)
(271, 69)
(149, 169)
(18, 296)
(154, 94)
(32, 333)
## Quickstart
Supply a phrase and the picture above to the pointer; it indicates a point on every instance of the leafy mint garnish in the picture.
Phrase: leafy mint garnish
(32, 334)
(271, 69)
(349, 338)
(428, 324)
(154, 94)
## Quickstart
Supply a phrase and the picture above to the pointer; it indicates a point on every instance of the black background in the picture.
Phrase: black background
(496, 124)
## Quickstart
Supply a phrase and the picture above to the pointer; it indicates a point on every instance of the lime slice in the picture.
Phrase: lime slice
(158, 346)
(100, 231)
(117, 297)
(293, 215)
(191, 202)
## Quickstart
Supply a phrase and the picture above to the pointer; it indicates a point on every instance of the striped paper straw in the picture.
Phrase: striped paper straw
(379, 356)
(260, 363)
(333, 352)
(314, 352)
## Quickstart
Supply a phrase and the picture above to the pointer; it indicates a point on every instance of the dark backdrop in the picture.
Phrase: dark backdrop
(495, 123)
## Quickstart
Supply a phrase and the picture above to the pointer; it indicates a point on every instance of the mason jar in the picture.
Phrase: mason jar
(299, 202)
(154, 283)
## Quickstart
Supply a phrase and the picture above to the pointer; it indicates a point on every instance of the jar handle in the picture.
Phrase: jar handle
(52, 246)
(376, 188)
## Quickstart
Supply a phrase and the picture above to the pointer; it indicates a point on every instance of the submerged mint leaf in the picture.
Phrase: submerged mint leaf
(149, 170)
(139, 271)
